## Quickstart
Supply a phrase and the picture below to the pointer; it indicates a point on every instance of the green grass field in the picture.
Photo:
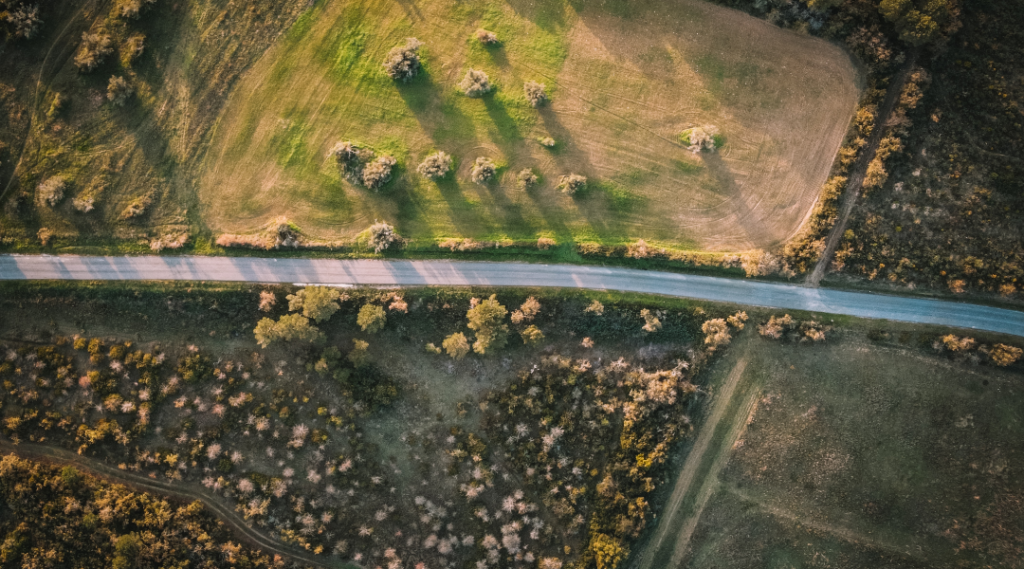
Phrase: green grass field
(862, 455)
(624, 80)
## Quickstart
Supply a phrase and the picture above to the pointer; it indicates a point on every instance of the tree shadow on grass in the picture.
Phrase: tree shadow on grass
(506, 131)
(441, 120)
(464, 214)
(748, 220)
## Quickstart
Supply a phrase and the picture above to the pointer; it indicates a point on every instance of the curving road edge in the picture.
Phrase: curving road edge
(366, 272)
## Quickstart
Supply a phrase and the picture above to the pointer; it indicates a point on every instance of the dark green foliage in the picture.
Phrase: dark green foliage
(195, 367)
(370, 386)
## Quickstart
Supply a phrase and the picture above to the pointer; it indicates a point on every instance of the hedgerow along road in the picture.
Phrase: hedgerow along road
(368, 272)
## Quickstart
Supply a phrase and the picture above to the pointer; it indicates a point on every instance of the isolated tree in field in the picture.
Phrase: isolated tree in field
(267, 300)
(118, 91)
(572, 184)
(132, 8)
(289, 327)
(484, 170)
(456, 345)
(700, 138)
(378, 172)
(372, 318)
(51, 191)
(94, 48)
(435, 166)
(487, 320)
(716, 333)
(382, 236)
(316, 302)
(475, 83)
(532, 335)
(526, 178)
(535, 93)
(1003, 355)
(485, 37)
(359, 354)
(403, 62)
(351, 158)
(24, 20)
(651, 322)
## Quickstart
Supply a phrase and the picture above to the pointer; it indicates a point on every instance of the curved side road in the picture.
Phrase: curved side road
(463, 273)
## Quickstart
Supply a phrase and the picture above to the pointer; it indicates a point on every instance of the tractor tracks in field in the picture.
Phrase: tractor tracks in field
(98, 469)
(729, 414)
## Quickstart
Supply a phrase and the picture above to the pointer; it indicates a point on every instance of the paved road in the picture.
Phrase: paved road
(460, 273)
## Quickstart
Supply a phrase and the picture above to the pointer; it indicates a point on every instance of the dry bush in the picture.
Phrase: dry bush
(378, 173)
(716, 333)
(132, 8)
(91, 53)
(812, 330)
(485, 37)
(545, 243)
(467, 244)
(526, 178)
(84, 204)
(762, 263)
(351, 158)
(169, 241)
(118, 91)
(776, 326)
(484, 170)
(399, 304)
(651, 322)
(136, 208)
(527, 312)
(456, 345)
(595, 308)
(267, 300)
(475, 83)
(24, 20)
(535, 93)
(45, 235)
(435, 166)
(700, 138)
(132, 48)
(382, 236)
(737, 320)
(547, 142)
(638, 250)
(957, 344)
(403, 62)
(572, 184)
(51, 191)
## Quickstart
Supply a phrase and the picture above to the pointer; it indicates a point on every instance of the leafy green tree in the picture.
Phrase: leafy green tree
(372, 318)
(289, 327)
(316, 302)
(456, 345)
(532, 335)
(608, 551)
(919, 21)
(487, 320)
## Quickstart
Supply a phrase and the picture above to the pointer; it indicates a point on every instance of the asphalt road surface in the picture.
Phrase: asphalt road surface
(462, 273)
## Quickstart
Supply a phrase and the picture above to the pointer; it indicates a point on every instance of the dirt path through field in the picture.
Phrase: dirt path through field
(686, 484)
(860, 169)
(225, 514)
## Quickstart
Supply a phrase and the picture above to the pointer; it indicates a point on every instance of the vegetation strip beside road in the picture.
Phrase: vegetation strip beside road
(98, 469)
(455, 273)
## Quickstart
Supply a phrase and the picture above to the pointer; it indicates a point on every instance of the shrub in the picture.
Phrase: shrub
(776, 326)
(484, 170)
(595, 308)
(359, 355)
(382, 236)
(547, 142)
(371, 318)
(136, 208)
(84, 204)
(289, 327)
(1003, 355)
(94, 49)
(651, 322)
(118, 91)
(475, 83)
(132, 48)
(350, 158)
(194, 368)
(403, 62)
(486, 319)
(572, 184)
(535, 93)
(378, 172)
(267, 300)
(716, 333)
(545, 243)
(435, 166)
(608, 551)
(456, 345)
(526, 178)
(132, 8)
(485, 37)
(316, 302)
(532, 335)
(700, 138)
(51, 191)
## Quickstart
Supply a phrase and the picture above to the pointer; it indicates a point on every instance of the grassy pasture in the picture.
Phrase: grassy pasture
(860, 455)
(624, 81)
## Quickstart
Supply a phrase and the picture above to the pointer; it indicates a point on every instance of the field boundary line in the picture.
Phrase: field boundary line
(860, 169)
